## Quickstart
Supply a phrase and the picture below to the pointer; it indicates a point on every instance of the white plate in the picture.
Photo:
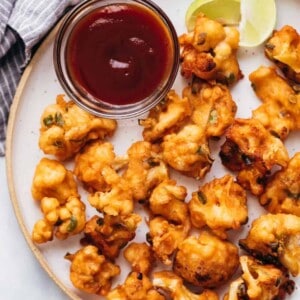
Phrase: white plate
(39, 87)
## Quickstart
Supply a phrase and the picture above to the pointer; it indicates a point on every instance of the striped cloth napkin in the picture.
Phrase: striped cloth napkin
(23, 23)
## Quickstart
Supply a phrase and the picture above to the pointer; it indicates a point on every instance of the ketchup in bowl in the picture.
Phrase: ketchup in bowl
(119, 58)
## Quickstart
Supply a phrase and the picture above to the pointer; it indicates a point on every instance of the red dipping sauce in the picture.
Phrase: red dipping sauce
(119, 54)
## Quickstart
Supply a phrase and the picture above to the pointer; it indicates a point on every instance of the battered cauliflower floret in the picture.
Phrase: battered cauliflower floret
(206, 260)
(165, 237)
(187, 151)
(173, 284)
(140, 257)
(274, 238)
(209, 52)
(259, 282)
(280, 110)
(91, 272)
(110, 234)
(145, 169)
(213, 107)
(220, 204)
(90, 162)
(166, 117)
(63, 220)
(282, 193)
(66, 128)
(253, 151)
(167, 200)
(52, 179)
(283, 48)
(118, 200)
(137, 286)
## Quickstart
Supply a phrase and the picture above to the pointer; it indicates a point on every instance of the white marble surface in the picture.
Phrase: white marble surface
(21, 276)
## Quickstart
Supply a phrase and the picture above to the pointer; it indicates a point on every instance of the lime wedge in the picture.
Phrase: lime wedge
(225, 11)
(258, 19)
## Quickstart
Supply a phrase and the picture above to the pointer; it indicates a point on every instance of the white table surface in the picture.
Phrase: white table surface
(21, 276)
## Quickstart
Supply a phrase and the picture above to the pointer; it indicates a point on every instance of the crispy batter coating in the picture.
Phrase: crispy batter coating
(253, 151)
(65, 129)
(213, 107)
(110, 234)
(52, 179)
(173, 284)
(91, 272)
(166, 117)
(167, 200)
(209, 52)
(140, 256)
(282, 193)
(187, 151)
(220, 204)
(283, 48)
(280, 110)
(145, 169)
(206, 260)
(259, 282)
(118, 200)
(274, 238)
(165, 237)
(63, 220)
(90, 162)
(137, 286)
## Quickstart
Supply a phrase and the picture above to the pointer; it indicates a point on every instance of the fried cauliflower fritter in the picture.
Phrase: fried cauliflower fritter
(213, 107)
(145, 169)
(137, 286)
(209, 52)
(274, 238)
(174, 285)
(140, 257)
(252, 151)
(220, 204)
(280, 110)
(66, 128)
(206, 260)
(165, 117)
(259, 282)
(90, 162)
(110, 234)
(282, 193)
(165, 237)
(283, 48)
(187, 151)
(91, 272)
(52, 179)
(167, 200)
(63, 220)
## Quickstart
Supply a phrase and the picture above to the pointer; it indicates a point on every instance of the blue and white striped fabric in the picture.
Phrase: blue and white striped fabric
(23, 23)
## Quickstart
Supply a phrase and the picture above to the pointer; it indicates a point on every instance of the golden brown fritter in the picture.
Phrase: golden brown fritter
(280, 110)
(173, 284)
(252, 151)
(206, 260)
(110, 234)
(274, 238)
(137, 286)
(220, 204)
(259, 282)
(282, 193)
(283, 48)
(52, 179)
(91, 272)
(65, 129)
(166, 117)
(145, 169)
(209, 52)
